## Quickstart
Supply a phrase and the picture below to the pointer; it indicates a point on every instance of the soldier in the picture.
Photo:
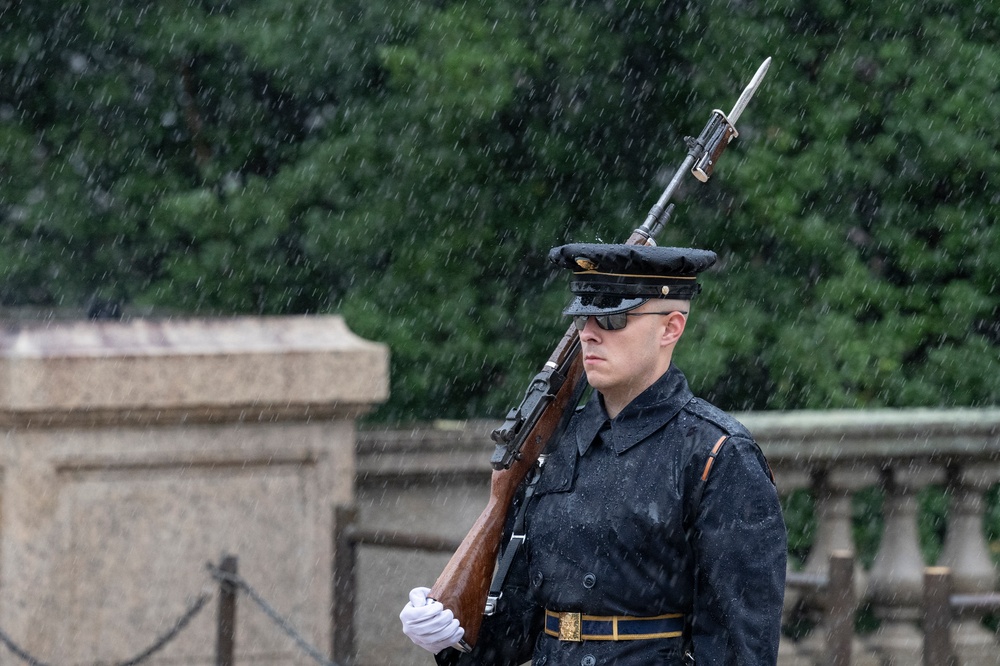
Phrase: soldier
(653, 529)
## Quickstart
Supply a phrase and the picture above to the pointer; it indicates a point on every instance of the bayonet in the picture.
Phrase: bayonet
(721, 129)
(703, 155)
(748, 92)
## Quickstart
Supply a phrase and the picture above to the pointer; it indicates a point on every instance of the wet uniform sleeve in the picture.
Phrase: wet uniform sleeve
(740, 549)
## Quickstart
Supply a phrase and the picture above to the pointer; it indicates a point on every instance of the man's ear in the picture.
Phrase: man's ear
(674, 329)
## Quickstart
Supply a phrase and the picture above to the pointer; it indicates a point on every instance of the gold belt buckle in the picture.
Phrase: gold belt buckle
(569, 627)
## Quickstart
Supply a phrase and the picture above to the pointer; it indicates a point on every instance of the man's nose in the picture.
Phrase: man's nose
(591, 330)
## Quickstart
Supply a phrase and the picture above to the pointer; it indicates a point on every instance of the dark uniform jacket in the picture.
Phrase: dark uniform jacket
(621, 523)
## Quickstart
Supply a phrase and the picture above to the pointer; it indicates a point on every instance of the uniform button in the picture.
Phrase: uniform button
(537, 579)
(589, 660)
(589, 580)
(541, 661)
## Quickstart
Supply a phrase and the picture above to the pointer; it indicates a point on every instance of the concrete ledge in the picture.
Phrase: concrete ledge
(142, 371)
(458, 448)
(810, 436)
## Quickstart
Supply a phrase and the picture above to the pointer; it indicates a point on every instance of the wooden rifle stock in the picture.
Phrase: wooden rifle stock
(465, 582)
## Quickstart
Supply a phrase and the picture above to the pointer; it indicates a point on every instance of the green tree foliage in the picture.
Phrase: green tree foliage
(409, 164)
(861, 225)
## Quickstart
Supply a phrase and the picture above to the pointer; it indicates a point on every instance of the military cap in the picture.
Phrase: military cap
(608, 279)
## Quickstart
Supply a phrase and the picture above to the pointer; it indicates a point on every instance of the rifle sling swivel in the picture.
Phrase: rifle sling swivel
(517, 539)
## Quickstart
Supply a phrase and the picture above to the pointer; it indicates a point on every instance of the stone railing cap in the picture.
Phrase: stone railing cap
(908, 432)
(252, 367)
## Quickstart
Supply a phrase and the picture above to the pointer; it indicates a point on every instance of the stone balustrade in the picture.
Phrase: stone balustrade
(440, 476)
(834, 454)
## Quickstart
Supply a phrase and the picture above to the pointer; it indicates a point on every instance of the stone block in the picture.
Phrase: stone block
(134, 453)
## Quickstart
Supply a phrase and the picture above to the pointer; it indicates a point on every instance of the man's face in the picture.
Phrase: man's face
(622, 364)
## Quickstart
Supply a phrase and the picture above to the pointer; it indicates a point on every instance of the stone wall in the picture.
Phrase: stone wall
(133, 453)
(425, 481)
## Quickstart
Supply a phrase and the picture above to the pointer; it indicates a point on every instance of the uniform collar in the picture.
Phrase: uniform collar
(647, 413)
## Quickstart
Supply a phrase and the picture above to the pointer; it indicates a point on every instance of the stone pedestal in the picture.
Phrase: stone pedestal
(133, 453)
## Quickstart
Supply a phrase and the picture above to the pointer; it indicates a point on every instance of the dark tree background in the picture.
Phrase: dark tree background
(408, 165)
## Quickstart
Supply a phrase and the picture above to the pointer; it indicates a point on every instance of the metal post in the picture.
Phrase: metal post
(344, 585)
(225, 642)
(840, 605)
(937, 617)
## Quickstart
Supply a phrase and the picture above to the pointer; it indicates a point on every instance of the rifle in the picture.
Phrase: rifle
(464, 585)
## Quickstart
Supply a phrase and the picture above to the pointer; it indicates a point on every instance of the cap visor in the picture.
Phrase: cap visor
(577, 307)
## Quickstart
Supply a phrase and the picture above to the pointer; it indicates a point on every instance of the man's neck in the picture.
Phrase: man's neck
(617, 400)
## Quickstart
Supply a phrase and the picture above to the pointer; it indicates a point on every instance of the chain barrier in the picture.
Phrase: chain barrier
(157, 645)
(238, 581)
(220, 576)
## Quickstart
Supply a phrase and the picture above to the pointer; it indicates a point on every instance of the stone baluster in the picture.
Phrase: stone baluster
(967, 555)
(833, 490)
(895, 582)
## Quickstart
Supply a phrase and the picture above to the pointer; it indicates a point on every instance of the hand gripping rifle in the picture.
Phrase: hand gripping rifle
(464, 585)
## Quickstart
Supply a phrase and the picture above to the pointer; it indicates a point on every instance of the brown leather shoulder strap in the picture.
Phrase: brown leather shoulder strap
(711, 457)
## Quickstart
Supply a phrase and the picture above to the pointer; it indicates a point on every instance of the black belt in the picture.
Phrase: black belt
(580, 627)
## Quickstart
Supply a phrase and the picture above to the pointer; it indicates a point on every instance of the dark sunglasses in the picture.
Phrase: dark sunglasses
(617, 321)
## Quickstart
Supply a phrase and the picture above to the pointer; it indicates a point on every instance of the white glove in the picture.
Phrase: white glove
(428, 623)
